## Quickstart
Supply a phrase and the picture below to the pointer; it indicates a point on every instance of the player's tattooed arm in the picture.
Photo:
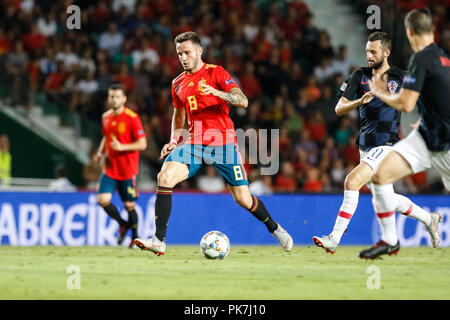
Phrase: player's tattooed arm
(235, 96)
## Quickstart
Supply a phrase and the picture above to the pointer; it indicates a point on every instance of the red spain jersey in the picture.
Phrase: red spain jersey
(209, 123)
(126, 127)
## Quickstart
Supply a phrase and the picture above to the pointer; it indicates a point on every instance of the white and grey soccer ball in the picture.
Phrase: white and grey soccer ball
(215, 245)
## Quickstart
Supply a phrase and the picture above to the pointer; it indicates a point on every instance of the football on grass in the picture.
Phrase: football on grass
(215, 245)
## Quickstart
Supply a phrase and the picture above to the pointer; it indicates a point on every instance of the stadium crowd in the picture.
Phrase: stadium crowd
(283, 62)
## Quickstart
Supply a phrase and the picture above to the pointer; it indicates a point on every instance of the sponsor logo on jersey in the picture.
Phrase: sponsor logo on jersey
(344, 86)
(229, 81)
(409, 80)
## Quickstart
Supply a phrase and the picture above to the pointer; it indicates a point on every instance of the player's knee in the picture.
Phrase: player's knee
(129, 205)
(103, 201)
(243, 201)
(379, 178)
(352, 183)
(165, 179)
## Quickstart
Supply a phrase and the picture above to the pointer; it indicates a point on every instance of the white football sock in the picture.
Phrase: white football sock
(346, 212)
(384, 203)
(406, 207)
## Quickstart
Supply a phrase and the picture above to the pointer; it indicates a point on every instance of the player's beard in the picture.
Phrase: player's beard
(377, 65)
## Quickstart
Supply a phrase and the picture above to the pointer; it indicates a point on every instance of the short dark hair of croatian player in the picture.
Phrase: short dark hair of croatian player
(420, 21)
(383, 37)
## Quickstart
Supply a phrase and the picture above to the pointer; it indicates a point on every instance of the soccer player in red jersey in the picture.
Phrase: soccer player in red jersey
(202, 93)
(123, 138)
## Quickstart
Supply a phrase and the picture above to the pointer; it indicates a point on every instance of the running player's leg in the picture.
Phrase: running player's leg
(399, 163)
(105, 189)
(354, 181)
(392, 168)
(180, 164)
(132, 218)
(228, 162)
(172, 173)
(256, 207)
(129, 194)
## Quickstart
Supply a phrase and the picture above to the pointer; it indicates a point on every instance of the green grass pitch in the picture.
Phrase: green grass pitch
(249, 272)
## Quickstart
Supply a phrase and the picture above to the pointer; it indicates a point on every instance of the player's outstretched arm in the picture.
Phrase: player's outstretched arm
(344, 105)
(235, 96)
(404, 101)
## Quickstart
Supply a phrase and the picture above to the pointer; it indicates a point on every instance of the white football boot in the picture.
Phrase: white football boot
(327, 243)
(283, 238)
(432, 228)
(153, 244)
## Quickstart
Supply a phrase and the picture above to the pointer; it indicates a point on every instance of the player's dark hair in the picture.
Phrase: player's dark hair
(118, 86)
(383, 37)
(186, 36)
(420, 21)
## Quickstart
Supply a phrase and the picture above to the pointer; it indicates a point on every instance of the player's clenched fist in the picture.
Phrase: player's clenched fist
(207, 89)
(168, 147)
(367, 97)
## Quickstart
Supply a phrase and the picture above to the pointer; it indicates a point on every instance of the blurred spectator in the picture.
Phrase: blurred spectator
(337, 173)
(211, 182)
(5, 160)
(88, 85)
(48, 62)
(5, 44)
(251, 27)
(68, 57)
(125, 78)
(87, 62)
(294, 122)
(329, 149)
(249, 83)
(47, 25)
(111, 40)
(341, 64)
(61, 183)
(259, 185)
(344, 131)
(54, 82)
(33, 41)
(316, 127)
(324, 71)
(16, 63)
(313, 182)
(285, 181)
(145, 52)
(350, 152)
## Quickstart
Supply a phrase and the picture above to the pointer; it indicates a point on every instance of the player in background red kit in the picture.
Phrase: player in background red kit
(202, 93)
(123, 138)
